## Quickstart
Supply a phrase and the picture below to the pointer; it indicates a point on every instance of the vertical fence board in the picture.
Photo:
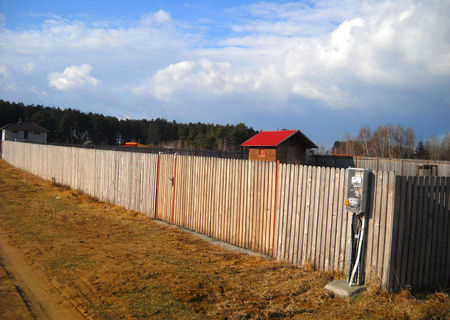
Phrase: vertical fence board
(344, 225)
(301, 196)
(417, 260)
(407, 241)
(307, 214)
(296, 212)
(333, 224)
(413, 229)
(447, 252)
(437, 233)
(284, 183)
(388, 228)
(444, 239)
(324, 217)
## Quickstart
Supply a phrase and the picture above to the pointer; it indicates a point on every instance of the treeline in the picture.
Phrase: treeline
(74, 127)
(393, 142)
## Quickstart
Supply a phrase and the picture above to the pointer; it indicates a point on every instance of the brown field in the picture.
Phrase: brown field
(110, 263)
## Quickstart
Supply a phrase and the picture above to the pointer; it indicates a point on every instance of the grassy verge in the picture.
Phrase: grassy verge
(118, 264)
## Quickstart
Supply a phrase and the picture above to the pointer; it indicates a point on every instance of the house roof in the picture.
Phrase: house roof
(134, 144)
(274, 138)
(24, 126)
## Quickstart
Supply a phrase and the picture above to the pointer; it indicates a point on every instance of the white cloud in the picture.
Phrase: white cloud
(150, 31)
(3, 70)
(209, 78)
(339, 54)
(29, 67)
(6, 79)
(292, 49)
(158, 17)
(71, 77)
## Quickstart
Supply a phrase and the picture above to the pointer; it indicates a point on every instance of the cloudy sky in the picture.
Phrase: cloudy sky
(324, 67)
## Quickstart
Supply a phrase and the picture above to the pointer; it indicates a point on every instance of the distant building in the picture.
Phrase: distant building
(287, 146)
(134, 145)
(24, 131)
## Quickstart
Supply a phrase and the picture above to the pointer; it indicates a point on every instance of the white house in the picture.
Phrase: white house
(24, 131)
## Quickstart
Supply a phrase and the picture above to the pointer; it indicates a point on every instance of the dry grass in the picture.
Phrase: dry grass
(118, 264)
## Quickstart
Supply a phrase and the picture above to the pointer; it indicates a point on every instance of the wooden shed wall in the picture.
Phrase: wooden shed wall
(270, 154)
(291, 151)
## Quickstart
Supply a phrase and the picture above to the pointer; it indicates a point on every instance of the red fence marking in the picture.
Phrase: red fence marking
(173, 185)
(275, 207)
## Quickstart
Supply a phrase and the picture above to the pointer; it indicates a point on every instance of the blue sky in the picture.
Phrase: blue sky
(324, 67)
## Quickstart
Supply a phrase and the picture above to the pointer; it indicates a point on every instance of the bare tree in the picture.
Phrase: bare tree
(433, 146)
(410, 142)
(445, 147)
(393, 142)
(399, 138)
(389, 137)
(348, 144)
(379, 142)
(364, 137)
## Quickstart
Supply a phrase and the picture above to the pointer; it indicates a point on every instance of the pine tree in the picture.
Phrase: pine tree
(421, 152)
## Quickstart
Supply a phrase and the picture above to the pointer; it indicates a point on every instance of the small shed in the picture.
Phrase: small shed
(24, 131)
(287, 146)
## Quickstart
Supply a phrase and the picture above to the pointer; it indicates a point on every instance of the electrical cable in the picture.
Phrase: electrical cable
(360, 242)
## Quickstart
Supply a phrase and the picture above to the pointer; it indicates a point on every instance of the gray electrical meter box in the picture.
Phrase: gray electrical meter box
(357, 190)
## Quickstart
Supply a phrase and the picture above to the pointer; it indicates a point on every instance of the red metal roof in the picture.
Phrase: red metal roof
(134, 144)
(268, 138)
(274, 138)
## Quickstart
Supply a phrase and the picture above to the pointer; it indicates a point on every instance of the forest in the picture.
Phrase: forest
(72, 126)
(393, 142)
(75, 127)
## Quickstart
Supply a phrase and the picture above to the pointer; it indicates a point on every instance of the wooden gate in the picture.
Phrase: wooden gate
(165, 187)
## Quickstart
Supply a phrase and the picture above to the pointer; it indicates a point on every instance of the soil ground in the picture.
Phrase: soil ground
(28, 284)
(12, 304)
(101, 261)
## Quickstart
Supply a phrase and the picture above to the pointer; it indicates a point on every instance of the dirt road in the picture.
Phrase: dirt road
(38, 302)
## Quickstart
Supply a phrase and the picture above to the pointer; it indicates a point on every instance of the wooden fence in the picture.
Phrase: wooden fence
(421, 239)
(230, 200)
(401, 167)
(294, 213)
(314, 225)
(123, 178)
